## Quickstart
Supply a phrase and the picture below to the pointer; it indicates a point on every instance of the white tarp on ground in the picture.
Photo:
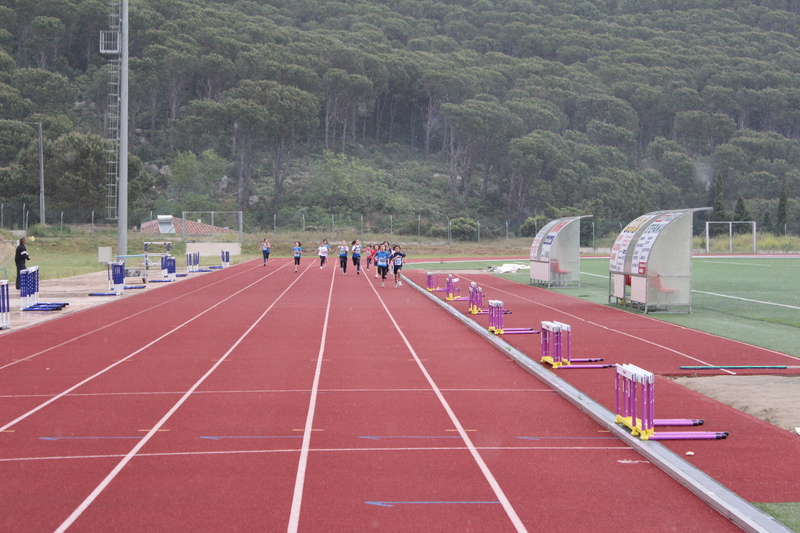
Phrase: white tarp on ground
(508, 268)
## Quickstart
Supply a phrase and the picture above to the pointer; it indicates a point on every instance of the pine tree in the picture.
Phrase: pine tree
(741, 214)
(766, 224)
(719, 213)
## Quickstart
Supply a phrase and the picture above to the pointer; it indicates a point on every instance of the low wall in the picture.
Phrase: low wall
(212, 249)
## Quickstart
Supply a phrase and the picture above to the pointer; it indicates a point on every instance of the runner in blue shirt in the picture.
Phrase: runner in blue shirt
(397, 259)
(382, 262)
(297, 251)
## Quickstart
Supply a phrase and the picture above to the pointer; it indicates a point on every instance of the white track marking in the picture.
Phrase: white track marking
(297, 497)
(101, 372)
(118, 321)
(327, 450)
(608, 328)
(117, 469)
(498, 491)
(747, 299)
(267, 391)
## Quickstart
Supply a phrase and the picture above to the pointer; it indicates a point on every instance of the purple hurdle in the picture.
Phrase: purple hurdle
(555, 336)
(453, 286)
(497, 321)
(434, 282)
(635, 406)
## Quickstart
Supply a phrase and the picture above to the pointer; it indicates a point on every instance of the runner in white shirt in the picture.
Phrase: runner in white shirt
(323, 253)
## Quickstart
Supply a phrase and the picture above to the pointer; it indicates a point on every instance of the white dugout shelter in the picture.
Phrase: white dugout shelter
(556, 253)
(651, 262)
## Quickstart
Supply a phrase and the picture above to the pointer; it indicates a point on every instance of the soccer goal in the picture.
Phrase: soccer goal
(730, 224)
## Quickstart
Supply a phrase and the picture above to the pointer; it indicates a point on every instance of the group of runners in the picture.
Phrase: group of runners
(384, 256)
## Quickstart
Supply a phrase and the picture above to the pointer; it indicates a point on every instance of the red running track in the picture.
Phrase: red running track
(260, 399)
(757, 461)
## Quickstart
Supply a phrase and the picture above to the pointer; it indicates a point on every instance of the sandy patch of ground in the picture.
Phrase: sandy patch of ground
(775, 399)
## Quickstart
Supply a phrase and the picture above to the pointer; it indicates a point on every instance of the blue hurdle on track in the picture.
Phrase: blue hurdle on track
(29, 292)
(5, 305)
(168, 270)
(193, 262)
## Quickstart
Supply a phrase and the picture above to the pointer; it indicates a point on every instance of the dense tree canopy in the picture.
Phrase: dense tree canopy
(499, 109)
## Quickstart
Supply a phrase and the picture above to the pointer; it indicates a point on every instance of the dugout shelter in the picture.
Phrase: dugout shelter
(650, 266)
(556, 253)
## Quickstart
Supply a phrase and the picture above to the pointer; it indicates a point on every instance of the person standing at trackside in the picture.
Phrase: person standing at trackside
(343, 249)
(357, 255)
(323, 252)
(297, 252)
(397, 259)
(382, 262)
(265, 250)
(20, 257)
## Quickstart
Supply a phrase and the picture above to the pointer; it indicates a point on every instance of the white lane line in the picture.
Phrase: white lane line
(118, 321)
(326, 450)
(498, 491)
(117, 469)
(747, 299)
(267, 391)
(661, 346)
(101, 372)
(299, 482)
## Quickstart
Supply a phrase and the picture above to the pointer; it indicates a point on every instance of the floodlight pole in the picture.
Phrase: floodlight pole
(122, 189)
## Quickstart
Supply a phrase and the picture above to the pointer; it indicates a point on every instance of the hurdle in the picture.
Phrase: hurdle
(116, 280)
(433, 282)
(453, 286)
(635, 408)
(497, 321)
(29, 292)
(167, 269)
(476, 301)
(5, 305)
(193, 262)
(555, 336)
(225, 257)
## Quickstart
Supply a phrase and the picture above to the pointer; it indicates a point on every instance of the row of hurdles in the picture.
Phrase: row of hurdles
(168, 263)
(635, 387)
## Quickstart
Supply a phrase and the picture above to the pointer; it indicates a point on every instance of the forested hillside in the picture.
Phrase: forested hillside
(492, 110)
